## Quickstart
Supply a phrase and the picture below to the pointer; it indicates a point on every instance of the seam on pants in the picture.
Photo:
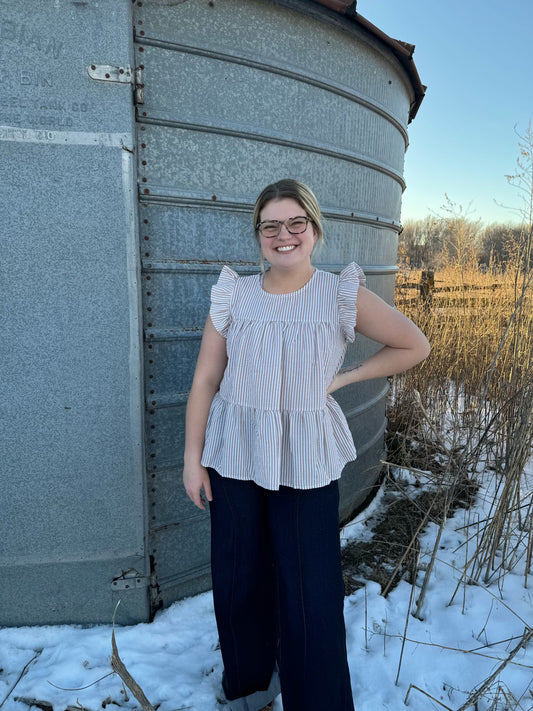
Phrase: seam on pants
(233, 575)
(301, 581)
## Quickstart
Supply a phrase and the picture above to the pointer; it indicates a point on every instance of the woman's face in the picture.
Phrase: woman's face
(286, 251)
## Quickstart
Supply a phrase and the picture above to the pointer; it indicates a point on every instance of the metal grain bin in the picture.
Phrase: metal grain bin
(229, 96)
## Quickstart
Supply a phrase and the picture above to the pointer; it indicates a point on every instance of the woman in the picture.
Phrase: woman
(266, 443)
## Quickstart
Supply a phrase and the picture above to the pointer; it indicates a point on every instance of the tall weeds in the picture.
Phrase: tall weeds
(476, 391)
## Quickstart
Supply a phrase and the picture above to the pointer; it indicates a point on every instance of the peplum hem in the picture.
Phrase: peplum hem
(277, 448)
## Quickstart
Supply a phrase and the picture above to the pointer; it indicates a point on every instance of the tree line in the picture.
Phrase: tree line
(435, 242)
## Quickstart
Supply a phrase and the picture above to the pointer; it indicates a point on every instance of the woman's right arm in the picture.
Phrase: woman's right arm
(210, 367)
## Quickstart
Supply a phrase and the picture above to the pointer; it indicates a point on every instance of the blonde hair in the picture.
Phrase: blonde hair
(303, 195)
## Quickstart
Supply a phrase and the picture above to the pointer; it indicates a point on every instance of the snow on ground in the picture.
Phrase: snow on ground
(176, 661)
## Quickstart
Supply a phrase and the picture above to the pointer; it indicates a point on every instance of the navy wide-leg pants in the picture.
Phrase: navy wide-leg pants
(279, 595)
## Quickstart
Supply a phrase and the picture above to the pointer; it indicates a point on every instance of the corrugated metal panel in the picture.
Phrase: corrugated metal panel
(72, 481)
(237, 95)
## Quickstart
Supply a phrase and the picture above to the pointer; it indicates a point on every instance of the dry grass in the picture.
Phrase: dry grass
(465, 320)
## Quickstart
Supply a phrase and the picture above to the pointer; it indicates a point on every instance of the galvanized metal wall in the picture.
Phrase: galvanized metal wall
(71, 489)
(237, 95)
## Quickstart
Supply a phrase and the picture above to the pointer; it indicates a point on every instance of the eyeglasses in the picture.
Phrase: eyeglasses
(272, 228)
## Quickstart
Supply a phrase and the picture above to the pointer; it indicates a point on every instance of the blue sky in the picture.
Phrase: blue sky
(476, 58)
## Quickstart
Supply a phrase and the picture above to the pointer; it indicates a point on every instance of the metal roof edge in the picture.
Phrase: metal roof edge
(402, 50)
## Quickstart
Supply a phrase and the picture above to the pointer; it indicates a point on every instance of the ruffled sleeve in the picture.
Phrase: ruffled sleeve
(221, 299)
(349, 280)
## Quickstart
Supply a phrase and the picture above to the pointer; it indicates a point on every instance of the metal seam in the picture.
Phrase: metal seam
(331, 87)
(278, 139)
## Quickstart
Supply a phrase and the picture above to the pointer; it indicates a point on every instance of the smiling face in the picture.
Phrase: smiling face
(287, 251)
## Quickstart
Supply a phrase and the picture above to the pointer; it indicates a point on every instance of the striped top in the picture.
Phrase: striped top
(272, 420)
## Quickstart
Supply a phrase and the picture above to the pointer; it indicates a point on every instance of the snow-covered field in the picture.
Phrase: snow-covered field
(176, 661)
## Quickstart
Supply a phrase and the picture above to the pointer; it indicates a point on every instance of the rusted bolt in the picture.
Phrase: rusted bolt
(149, 325)
(141, 66)
(143, 128)
(139, 22)
(148, 293)
(144, 180)
(149, 308)
(150, 347)
(139, 4)
(144, 113)
(141, 32)
(211, 4)
(93, 66)
(121, 71)
(151, 377)
(146, 191)
(152, 427)
(145, 221)
(213, 197)
(141, 49)
(150, 361)
(144, 163)
(147, 254)
(146, 237)
(153, 456)
(143, 145)
(151, 336)
(107, 76)
(154, 402)
(148, 278)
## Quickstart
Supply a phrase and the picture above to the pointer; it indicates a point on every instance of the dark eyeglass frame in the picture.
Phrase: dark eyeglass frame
(259, 226)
